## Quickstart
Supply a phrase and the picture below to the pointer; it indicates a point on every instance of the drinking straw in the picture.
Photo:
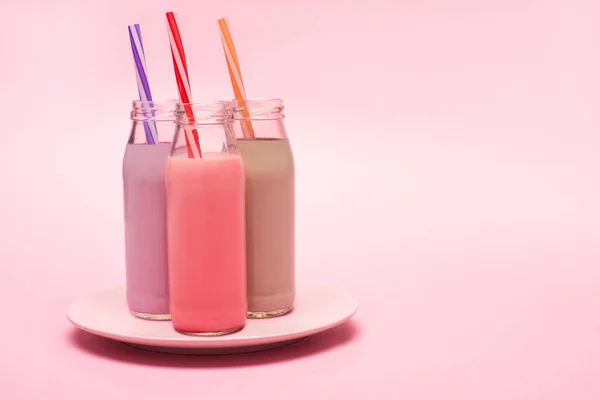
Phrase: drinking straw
(139, 58)
(235, 74)
(183, 85)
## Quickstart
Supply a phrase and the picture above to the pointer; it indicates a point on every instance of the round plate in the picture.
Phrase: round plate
(317, 309)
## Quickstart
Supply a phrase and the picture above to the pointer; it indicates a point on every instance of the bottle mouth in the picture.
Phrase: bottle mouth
(203, 113)
(258, 109)
(156, 110)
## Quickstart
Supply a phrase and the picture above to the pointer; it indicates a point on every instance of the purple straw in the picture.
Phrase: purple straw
(135, 37)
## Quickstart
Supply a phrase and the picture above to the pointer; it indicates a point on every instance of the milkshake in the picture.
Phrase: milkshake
(270, 213)
(145, 231)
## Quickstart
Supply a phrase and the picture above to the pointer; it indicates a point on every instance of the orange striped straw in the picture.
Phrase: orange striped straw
(235, 74)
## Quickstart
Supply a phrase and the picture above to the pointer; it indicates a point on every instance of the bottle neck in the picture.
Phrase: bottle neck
(152, 122)
(259, 119)
(203, 128)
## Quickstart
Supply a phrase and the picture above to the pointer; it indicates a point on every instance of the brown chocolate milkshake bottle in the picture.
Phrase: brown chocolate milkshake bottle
(270, 206)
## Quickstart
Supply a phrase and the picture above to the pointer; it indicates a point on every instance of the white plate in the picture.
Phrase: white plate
(317, 309)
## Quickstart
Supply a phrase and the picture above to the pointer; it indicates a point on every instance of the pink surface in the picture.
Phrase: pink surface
(457, 143)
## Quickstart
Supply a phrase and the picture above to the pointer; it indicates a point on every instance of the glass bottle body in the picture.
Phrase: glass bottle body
(206, 224)
(263, 143)
(144, 166)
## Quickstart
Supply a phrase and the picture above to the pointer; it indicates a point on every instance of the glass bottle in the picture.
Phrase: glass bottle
(144, 167)
(206, 223)
(263, 143)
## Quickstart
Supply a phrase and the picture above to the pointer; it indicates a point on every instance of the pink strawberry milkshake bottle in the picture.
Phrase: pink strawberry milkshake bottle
(206, 223)
(144, 168)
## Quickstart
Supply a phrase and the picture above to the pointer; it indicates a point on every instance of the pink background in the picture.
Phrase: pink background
(447, 175)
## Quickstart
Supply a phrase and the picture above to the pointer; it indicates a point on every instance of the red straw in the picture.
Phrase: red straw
(183, 83)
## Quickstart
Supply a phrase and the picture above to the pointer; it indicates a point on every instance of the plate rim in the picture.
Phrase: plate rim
(211, 342)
